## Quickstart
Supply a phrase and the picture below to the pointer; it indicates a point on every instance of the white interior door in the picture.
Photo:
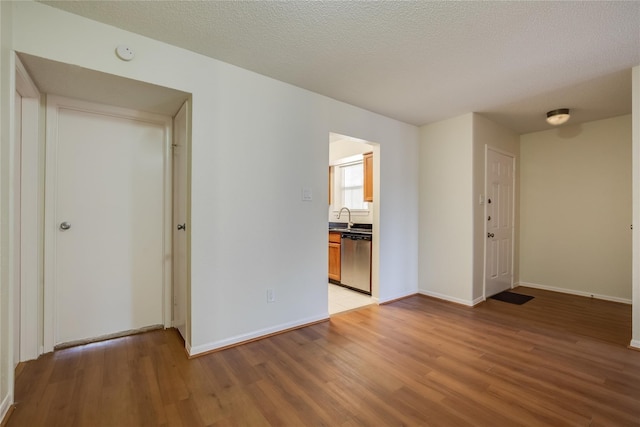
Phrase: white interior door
(107, 169)
(499, 216)
(180, 223)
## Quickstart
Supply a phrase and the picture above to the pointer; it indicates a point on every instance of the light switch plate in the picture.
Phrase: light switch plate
(307, 194)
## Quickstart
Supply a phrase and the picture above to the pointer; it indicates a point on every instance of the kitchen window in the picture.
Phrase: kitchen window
(350, 187)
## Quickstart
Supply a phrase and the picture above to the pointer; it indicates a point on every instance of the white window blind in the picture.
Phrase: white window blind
(352, 186)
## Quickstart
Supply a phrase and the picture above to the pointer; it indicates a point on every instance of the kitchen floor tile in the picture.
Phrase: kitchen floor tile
(343, 299)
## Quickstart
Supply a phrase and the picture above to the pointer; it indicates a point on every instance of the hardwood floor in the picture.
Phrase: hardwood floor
(556, 360)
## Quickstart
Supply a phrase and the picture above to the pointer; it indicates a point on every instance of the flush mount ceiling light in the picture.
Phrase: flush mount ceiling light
(558, 117)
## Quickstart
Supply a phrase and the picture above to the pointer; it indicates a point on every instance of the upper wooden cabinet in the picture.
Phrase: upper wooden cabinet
(367, 163)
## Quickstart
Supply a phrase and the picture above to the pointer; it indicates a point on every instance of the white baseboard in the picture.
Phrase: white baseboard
(380, 301)
(574, 292)
(478, 300)
(5, 406)
(205, 348)
(468, 303)
(635, 344)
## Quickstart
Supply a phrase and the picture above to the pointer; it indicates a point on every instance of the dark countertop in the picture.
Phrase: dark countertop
(342, 227)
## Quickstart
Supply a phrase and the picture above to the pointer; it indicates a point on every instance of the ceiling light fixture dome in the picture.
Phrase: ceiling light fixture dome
(558, 117)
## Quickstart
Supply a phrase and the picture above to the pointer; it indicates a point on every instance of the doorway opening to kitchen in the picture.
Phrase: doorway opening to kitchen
(352, 222)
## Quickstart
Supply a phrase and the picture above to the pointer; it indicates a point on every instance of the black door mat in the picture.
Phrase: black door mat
(512, 297)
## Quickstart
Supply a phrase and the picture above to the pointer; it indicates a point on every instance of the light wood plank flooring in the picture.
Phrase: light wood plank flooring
(558, 360)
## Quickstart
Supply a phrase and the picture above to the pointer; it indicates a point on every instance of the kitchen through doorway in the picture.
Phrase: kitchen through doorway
(352, 219)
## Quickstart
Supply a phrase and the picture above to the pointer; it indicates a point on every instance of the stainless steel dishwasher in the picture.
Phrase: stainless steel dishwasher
(355, 261)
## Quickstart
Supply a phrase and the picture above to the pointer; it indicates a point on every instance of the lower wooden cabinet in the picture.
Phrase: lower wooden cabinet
(334, 256)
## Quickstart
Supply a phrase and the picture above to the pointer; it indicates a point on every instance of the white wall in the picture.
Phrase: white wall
(576, 208)
(446, 209)
(255, 143)
(6, 129)
(452, 175)
(486, 132)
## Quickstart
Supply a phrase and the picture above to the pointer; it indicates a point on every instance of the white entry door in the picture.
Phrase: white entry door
(499, 217)
(106, 218)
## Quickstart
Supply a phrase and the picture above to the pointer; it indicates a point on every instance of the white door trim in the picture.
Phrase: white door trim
(24, 85)
(635, 232)
(32, 186)
(513, 215)
(183, 115)
(54, 105)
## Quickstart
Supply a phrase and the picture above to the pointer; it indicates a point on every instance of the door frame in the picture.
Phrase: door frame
(27, 285)
(54, 104)
(186, 110)
(376, 286)
(484, 220)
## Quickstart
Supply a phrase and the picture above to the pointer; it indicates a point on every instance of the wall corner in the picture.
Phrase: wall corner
(635, 119)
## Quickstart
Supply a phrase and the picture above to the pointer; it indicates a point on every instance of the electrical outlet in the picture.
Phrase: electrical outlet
(271, 296)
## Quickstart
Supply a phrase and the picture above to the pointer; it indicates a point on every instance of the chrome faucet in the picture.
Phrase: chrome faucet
(349, 224)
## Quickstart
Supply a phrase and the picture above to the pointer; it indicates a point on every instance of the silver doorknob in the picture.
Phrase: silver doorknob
(65, 226)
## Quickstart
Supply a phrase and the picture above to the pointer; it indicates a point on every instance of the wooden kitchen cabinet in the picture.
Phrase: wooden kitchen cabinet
(367, 163)
(334, 257)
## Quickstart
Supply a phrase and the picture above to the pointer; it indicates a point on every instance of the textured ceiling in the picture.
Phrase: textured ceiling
(418, 62)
